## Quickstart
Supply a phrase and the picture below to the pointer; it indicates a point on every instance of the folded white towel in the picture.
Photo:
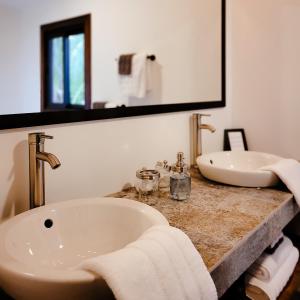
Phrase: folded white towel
(276, 240)
(266, 266)
(274, 287)
(136, 84)
(288, 170)
(162, 264)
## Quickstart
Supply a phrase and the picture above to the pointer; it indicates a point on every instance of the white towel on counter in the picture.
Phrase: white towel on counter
(267, 265)
(274, 287)
(288, 170)
(136, 84)
(162, 264)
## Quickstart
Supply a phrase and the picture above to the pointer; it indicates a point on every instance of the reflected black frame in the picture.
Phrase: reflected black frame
(70, 116)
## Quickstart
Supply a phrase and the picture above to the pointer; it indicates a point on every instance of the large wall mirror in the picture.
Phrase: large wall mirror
(174, 49)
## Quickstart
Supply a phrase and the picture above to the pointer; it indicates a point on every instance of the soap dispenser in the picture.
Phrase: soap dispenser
(180, 180)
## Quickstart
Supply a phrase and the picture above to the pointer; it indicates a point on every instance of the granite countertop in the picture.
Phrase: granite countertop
(229, 226)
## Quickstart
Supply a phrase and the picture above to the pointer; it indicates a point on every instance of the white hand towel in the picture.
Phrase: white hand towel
(135, 84)
(288, 170)
(162, 264)
(274, 287)
(267, 265)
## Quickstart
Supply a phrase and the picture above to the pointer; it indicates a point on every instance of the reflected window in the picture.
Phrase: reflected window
(66, 64)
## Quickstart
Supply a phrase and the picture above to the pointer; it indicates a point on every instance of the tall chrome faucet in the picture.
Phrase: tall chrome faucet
(37, 157)
(196, 138)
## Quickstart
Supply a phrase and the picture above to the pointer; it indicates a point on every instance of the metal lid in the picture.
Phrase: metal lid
(180, 166)
(147, 174)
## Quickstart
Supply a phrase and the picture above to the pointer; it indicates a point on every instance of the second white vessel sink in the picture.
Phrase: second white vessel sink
(240, 168)
(40, 250)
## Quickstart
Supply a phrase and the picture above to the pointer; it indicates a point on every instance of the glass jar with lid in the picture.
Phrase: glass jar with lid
(147, 181)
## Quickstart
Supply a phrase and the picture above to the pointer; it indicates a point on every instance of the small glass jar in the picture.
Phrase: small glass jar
(147, 181)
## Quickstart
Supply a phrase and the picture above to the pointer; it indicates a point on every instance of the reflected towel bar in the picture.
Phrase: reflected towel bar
(151, 57)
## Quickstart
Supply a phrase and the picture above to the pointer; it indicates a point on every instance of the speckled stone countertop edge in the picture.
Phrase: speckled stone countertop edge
(236, 261)
(289, 197)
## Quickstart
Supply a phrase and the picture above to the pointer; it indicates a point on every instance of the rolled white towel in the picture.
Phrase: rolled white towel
(274, 287)
(276, 240)
(162, 264)
(267, 265)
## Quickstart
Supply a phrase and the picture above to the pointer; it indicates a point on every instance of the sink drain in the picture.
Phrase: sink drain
(48, 223)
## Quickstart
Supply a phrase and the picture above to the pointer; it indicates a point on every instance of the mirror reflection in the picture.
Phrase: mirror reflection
(69, 54)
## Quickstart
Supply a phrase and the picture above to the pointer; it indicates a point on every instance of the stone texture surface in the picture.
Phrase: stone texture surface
(229, 226)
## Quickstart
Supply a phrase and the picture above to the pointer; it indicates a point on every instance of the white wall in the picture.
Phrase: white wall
(264, 77)
(98, 157)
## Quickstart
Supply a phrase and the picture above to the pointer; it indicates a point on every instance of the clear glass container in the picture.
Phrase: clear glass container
(180, 186)
(147, 181)
(180, 180)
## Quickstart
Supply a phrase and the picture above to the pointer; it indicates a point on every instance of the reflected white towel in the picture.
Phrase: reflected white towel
(288, 170)
(266, 266)
(135, 84)
(162, 264)
(274, 287)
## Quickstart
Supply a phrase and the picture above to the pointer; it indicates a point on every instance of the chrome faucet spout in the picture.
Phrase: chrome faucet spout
(37, 157)
(211, 128)
(196, 137)
(50, 158)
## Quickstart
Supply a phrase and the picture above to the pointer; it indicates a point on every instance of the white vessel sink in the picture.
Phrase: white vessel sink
(241, 168)
(37, 262)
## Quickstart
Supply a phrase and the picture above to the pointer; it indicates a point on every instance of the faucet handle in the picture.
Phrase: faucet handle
(43, 136)
(38, 137)
(198, 116)
(46, 136)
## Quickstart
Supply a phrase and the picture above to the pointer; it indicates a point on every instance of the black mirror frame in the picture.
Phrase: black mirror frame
(59, 117)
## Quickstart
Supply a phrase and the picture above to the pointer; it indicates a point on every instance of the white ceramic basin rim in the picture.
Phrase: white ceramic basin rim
(240, 168)
(32, 254)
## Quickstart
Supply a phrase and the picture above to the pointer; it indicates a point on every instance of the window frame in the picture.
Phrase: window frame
(81, 24)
